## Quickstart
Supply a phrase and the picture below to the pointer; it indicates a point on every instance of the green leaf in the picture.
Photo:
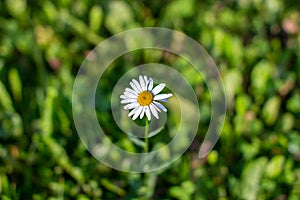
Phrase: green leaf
(112, 187)
(287, 122)
(251, 176)
(136, 141)
(11, 125)
(212, 157)
(189, 187)
(4, 197)
(80, 27)
(250, 150)
(293, 104)
(50, 11)
(62, 158)
(294, 142)
(95, 17)
(5, 99)
(178, 193)
(184, 191)
(47, 120)
(260, 77)
(127, 145)
(15, 84)
(275, 166)
(242, 104)
(16, 8)
(146, 191)
(179, 9)
(119, 17)
(4, 184)
(233, 84)
(271, 110)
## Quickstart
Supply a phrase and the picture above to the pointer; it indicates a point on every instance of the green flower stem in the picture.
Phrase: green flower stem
(146, 147)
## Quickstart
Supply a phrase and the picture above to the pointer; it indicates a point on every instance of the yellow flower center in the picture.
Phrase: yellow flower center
(145, 98)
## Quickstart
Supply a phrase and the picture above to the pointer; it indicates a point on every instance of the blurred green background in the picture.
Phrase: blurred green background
(255, 44)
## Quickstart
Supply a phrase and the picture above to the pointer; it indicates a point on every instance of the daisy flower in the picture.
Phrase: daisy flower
(144, 99)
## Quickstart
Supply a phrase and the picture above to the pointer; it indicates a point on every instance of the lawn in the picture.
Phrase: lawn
(255, 45)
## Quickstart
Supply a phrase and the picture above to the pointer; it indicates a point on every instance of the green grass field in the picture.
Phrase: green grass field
(256, 46)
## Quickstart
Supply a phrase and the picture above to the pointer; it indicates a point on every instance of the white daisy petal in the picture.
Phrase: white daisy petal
(158, 88)
(148, 114)
(142, 83)
(162, 96)
(131, 91)
(123, 96)
(150, 84)
(163, 100)
(131, 106)
(163, 108)
(133, 111)
(130, 95)
(137, 112)
(146, 80)
(137, 85)
(128, 101)
(155, 107)
(153, 111)
(134, 87)
(142, 113)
